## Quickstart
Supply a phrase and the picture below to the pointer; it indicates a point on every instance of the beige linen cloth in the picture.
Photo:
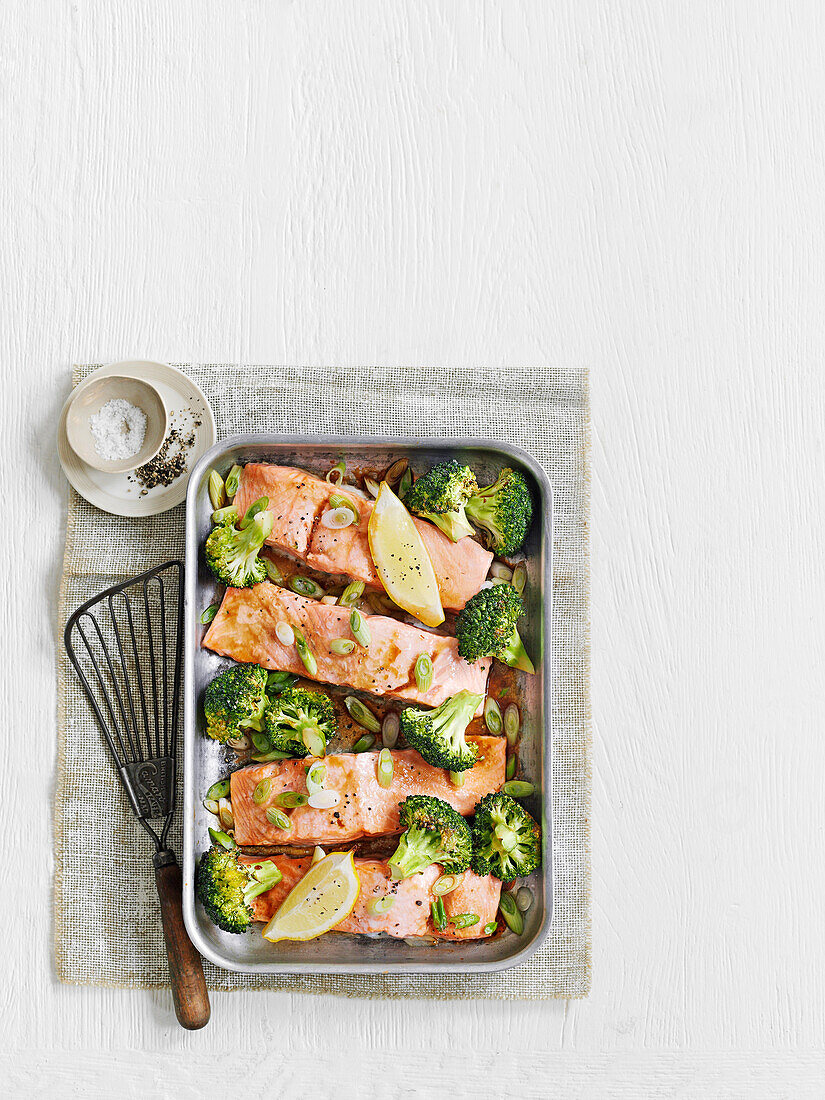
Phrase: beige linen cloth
(107, 921)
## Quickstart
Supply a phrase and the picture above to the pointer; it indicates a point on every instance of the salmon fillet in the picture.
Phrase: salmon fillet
(410, 913)
(364, 808)
(460, 567)
(244, 629)
(296, 502)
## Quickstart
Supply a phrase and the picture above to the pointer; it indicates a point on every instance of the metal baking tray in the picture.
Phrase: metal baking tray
(205, 761)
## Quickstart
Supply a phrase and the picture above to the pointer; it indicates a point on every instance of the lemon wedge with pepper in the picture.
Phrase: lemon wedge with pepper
(402, 560)
(321, 899)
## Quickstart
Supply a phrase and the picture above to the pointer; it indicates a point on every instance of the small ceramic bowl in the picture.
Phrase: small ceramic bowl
(89, 399)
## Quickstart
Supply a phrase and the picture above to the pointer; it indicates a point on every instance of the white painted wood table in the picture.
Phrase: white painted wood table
(632, 185)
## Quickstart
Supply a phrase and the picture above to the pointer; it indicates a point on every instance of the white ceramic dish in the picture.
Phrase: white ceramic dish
(119, 493)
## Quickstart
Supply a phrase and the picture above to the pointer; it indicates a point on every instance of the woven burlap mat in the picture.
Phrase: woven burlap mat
(107, 927)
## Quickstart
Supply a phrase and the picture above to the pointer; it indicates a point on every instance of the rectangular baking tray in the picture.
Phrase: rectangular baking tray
(205, 760)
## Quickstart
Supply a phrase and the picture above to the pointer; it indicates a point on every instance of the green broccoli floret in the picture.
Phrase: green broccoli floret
(232, 547)
(226, 887)
(486, 627)
(503, 511)
(235, 701)
(435, 833)
(440, 496)
(438, 734)
(300, 722)
(506, 839)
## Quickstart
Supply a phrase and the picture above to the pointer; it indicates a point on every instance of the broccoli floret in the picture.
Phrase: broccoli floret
(235, 701)
(434, 833)
(300, 722)
(226, 887)
(486, 627)
(506, 839)
(232, 547)
(438, 734)
(440, 496)
(503, 511)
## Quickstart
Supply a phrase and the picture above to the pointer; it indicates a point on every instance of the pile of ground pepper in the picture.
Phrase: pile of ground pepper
(170, 461)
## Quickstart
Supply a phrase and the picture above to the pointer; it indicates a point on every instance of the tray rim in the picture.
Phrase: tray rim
(315, 440)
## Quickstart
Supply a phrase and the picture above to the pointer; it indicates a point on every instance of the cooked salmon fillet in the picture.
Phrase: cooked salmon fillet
(460, 567)
(297, 500)
(364, 807)
(244, 629)
(410, 913)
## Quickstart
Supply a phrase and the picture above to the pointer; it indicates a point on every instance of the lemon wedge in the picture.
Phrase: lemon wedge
(323, 898)
(402, 560)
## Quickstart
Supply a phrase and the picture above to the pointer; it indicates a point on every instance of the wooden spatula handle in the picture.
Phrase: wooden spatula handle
(185, 966)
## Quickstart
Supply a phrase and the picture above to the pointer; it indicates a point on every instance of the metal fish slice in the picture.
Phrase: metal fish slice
(126, 645)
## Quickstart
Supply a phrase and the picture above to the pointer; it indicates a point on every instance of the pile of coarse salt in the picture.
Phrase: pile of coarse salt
(118, 429)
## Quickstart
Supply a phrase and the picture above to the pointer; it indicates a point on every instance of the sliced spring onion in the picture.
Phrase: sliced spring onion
(225, 515)
(268, 757)
(313, 740)
(490, 927)
(424, 672)
(290, 800)
(501, 571)
(305, 653)
(239, 743)
(373, 488)
(219, 789)
(336, 519)
(465, 920)
(217, 493)
(277, 682)
(519, 581)
(361, 714)
(284, 633)
(492, 716)
(389, 729)
(264, 877)
(518, 788)
(260, 742)
(512, 917)
(209, 613)
(405, 482)
(329, 600)
(457, 779)
(222, 838)
(338, 501)
(512, 724)
(305, 586)
(225, 813)
(341, 646)
(364, 743)
(359, 628)
(336, 474)
(254, 509)
(317, 855)
(385, 769)
(272, 571)
(278, 818)
(233, 481)
(315, 777)
(438, 914)
(396, 471)
(378, 906)
(510, 769)
(211, 805)
(262, 791)
(351, 594)
(324, 800)
(445, 885)
(524, 898)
